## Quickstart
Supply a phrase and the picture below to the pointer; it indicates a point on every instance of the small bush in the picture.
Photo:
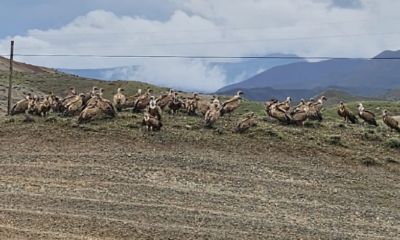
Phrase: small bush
(341, 125)
(272, 133)
(334, 140)
(368, 161)
(393, 143)
(372, 136)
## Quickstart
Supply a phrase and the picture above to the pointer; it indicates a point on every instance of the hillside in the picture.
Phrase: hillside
(334, 97)
(361, 77)
(22, 67)
(235, 71)
(110, 179)
(391, 95)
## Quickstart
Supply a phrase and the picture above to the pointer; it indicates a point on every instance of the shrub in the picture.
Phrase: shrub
(393, 143)
(334, 140)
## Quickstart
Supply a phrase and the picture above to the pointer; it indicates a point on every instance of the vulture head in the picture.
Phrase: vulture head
(152, 102)
(385, 112)
(360, 106)
(239, 93)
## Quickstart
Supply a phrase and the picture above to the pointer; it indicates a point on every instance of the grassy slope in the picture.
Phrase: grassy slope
(60, 82)
(334, 97)
(319, 146)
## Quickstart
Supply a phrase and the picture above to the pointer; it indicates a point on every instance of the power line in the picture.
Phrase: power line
(207, 30)
(223, 42)
(201, 57)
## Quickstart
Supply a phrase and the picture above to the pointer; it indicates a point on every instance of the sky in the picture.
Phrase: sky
(334, 28)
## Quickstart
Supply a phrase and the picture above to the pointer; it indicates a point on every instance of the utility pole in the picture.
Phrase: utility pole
(10, 80)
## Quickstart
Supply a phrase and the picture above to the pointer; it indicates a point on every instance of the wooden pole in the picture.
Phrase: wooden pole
(10, 80)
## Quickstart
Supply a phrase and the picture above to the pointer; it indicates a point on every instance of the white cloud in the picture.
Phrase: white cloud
(201, 21)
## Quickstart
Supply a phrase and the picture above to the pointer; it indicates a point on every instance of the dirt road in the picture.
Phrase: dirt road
(65, 184)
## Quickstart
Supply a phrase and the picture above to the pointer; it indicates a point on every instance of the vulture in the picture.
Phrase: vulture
(151, 122)
(313, 113)
(21, 106)
(38, 107)
(244, 124)
(142, 101)
(300, 107)
(215, 104)
(390, 121)
(73, 106)
(154, 110)
(175, 104)
(301, 115)
(346, 114)
(90, 111)
(318, 104)
(130, 101)
(278, 113)
(191, 106)
(366, 115)
(203, 106)
(72, 92)
(103, 104)
(56, 104)
(230, 105)
(310, 101)
(285, 105)
(164, 99)
(269, 104)
(119, 99)
(212, 115)
(91, 94)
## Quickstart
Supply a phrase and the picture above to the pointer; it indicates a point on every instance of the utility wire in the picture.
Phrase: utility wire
(199, 57)
(221, 42)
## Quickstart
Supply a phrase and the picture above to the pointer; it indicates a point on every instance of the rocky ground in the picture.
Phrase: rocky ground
(112, 180)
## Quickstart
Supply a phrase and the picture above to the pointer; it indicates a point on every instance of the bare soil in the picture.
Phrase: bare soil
(81, 183)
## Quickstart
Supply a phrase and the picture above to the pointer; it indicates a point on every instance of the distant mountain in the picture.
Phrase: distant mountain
(235, 71)
(240, 71)
(362, 77)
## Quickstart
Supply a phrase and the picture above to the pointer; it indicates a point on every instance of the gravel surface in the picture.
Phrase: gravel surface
(67, 183)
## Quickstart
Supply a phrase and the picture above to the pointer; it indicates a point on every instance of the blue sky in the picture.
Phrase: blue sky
(193, 27)
(45, 14)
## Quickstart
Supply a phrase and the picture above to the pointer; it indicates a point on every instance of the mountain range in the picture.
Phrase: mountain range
(372, 77)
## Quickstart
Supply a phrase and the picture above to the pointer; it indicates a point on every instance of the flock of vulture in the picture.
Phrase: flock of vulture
(89, 105)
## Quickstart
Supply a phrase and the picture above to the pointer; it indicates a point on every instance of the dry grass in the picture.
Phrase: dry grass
(111, 179)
